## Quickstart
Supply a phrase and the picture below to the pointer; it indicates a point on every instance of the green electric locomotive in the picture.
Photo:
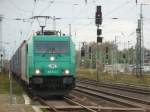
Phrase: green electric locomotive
(46, 64)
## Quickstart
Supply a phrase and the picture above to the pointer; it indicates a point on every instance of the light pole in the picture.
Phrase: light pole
(10, 87)
(129, 43)
(114, 56)
(10, 80)
(69, 29)
(1, 18)
(1, 62)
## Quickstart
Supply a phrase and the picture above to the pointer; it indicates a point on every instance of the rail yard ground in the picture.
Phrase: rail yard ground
(4, 85)
(17, 99)
(87, 96)
(17, 106)
(120, 77)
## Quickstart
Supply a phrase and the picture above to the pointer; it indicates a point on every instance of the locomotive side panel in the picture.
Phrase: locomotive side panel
(24, 76)
(19, 62)
(73, 63)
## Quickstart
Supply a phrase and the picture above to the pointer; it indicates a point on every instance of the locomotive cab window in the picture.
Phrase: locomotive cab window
(52, 47)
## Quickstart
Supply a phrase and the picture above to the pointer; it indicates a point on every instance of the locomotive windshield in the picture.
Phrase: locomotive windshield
(54, 47)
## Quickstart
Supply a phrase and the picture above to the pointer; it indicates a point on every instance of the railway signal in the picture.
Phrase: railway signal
(106, 56)
(99, 39)
(98, 16)
(106, 49)
(107, 53)
(99, 31)
(90, 51)
(83, 49)
(98, 22)
(82, 52)
(124, 56)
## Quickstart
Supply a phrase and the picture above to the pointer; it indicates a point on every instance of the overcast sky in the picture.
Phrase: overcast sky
(77, 13)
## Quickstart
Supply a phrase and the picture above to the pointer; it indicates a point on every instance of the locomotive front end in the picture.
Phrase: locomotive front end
(54, 64)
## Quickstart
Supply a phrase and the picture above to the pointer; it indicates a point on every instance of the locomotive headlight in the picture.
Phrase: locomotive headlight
(66, 72)
(37, 72)
(52, 58)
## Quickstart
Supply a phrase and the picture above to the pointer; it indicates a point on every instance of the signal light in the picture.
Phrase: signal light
(138, 30)
(124, 56)
(98, 16)
(98, 8)
(99, 32)
(82, 52)
(106, 56)
(99, 39)
(90, 49)
(1, 55)
(90, 56)
(106, 49)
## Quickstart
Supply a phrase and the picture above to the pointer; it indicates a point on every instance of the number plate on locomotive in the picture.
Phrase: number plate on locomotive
(52, 66)
(51, 71)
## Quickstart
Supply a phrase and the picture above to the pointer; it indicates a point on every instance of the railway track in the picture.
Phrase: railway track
(65, 104)
(69, 105)
(113, 97)
(119, 86)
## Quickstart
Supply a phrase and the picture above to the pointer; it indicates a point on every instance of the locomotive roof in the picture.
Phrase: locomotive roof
(51, 38)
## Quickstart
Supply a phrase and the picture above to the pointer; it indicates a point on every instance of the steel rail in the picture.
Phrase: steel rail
(50, 107)
(116, 82)
(57, 108)
(76, 103)
(115, 94)
(113, 98)
(122, 87)
(75, 106)
(97, 108)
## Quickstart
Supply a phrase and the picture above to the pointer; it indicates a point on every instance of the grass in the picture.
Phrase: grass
(45, 110)
(4, 85)
(124, 78)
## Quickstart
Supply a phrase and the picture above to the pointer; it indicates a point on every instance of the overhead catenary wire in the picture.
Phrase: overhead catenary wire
(47, 7)
(117, 8)
(18, 8)
(106, 14)
(91, 22)
(51, 2)
(34, 6)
